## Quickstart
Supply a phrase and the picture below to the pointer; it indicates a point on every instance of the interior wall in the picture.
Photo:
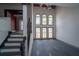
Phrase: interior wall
(4, 28)
(67, 25)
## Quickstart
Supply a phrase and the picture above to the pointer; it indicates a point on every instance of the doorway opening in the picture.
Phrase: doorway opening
(16, 19)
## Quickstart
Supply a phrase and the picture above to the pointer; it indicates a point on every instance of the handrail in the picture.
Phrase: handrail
(29, 31)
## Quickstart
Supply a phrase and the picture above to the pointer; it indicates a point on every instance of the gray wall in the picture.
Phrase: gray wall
(4, 28)
(67, 23)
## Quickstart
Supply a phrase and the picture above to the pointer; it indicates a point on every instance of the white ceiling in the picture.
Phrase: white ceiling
(65, 4)
(57, 4)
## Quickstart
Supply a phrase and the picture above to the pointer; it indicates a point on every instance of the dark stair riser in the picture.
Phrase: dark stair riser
(14, 42)
(10, 54)
(11, 47)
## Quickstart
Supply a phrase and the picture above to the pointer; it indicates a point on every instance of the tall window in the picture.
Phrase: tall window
(50, 33)
(43, 32)
(44, 20)
(50, 20)
(37, 32)
(38, 19)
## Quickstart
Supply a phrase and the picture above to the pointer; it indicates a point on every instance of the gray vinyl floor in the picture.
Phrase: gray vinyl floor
(53, 48)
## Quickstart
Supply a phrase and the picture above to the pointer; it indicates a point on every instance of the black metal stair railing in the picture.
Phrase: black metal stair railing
(5, 39)
(1, 46)
(22, 48)
(29, 31)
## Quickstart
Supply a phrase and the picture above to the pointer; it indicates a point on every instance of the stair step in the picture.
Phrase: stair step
(16, 35)
(9, 50)
(18, 32)
(10, 47)
(11, 54)
(12, 44)
(15, 39)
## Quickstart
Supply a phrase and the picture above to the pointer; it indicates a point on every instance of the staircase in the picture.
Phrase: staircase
(14, 45)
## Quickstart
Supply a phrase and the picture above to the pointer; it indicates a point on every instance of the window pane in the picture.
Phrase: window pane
(50, 32)
(50, 20)
(38, 19)
(44, 20)
(44, 32)
(37, 32)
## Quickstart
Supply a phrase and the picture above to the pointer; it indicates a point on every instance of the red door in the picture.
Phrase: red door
(13, 22)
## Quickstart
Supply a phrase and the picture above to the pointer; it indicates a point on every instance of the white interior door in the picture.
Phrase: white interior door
(21, 25)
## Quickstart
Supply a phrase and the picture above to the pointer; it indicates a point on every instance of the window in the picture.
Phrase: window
(38, 19)
(37, 32)
(50, 32)
(43, 26)
(44, 32)
(50, 20)
(44, 20)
